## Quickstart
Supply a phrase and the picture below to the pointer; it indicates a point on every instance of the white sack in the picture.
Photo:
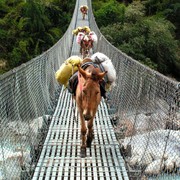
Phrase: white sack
(93, 36)
(99, 57)
(107, 64)
(79, 37)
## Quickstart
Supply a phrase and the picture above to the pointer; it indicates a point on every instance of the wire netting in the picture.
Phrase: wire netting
(144, 107)
(28, 97)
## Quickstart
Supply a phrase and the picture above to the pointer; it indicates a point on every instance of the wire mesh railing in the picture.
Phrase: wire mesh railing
(28, 97)
(144, 106)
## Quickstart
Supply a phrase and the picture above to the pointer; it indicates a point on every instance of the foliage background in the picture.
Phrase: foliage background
(147, 30)
(29, 27)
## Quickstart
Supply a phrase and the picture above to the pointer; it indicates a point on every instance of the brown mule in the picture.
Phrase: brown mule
(86, 45)
(88, 97)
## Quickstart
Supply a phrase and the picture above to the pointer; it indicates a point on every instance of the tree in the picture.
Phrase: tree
(27, 28)
(168, 9)
(147, 39)
(110, 12)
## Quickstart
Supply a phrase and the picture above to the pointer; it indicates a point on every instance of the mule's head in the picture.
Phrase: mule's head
(90, 92)
(86, 45)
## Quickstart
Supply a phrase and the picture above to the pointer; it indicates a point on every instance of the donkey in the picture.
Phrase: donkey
(86, 42)
(88, 97)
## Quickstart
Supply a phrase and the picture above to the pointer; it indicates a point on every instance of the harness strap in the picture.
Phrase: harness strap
(85, 65)
(80, 84)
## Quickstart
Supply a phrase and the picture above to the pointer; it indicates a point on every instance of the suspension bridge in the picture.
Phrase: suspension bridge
(40, 132)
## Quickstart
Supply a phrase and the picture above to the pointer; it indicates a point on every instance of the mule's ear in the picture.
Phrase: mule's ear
(101, 75)
(82, 72)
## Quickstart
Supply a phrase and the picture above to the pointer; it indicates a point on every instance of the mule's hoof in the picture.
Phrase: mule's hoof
(83, 152)
(89, 140)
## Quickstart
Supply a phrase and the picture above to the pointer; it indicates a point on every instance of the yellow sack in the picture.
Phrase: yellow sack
(67, 69)
(84, 6)
(86, 29)
(77, 30)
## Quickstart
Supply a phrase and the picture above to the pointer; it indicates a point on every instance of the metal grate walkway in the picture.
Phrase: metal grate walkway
(60, 157)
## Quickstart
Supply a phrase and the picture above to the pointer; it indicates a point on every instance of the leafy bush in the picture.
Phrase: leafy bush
(27, 28)
(147, 39)
(110, 12)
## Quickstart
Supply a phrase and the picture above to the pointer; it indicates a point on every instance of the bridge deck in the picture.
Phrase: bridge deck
(60, 157)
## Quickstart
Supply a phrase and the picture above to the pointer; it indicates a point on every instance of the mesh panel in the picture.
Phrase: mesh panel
(144, 106)
(28, 97)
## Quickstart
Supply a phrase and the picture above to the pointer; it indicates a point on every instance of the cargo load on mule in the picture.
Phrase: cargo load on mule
(73, 81)
(83, 9)
(86, 42)
(84, 29)
(67, 69)
(104, 63)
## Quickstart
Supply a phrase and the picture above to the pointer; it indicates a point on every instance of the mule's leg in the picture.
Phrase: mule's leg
(80, 50)
(83, 16)
(83, 53)
(83, 137)
(90, 135)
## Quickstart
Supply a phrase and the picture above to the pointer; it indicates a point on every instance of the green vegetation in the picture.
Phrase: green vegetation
(29, 27)
(146, 30)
